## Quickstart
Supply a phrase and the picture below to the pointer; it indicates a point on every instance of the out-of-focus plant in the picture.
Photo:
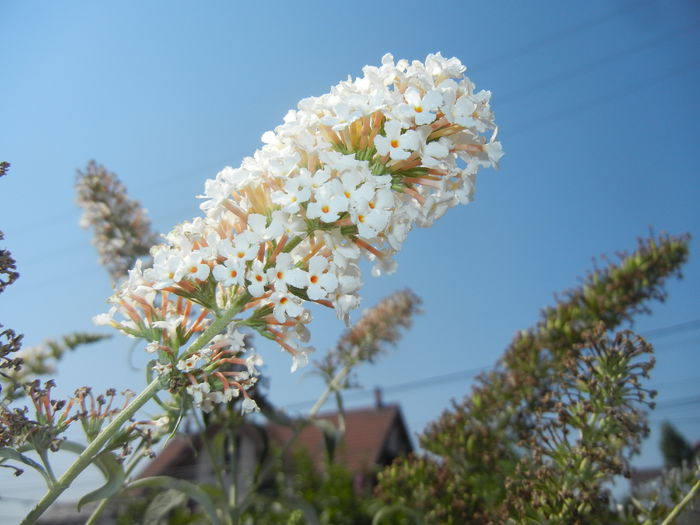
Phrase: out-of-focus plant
(657, 501)
(18, 370)
(674, 447)
(41, 360)
(494, 448)
(121, 230)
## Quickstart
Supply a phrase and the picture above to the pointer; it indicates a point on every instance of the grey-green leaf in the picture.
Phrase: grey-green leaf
(12, 454)
(113, 472)
(162, 504)
(189, 489)
(111, 469)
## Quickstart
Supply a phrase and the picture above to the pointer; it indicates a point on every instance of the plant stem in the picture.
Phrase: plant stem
(47, 465)
(333, 386)
(111, 430)
(90, 452)
(678, 508)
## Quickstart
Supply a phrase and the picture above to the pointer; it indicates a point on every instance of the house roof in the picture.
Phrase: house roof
(366, 442)
(373, 436)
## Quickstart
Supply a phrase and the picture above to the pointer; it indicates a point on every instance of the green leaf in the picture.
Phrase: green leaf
(113, 473)
(12, 454)
(389, 510)
(162, 504)
(189, 489)
(111, 469)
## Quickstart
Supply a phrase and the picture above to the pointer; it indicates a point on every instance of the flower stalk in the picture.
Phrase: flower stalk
(113, 428)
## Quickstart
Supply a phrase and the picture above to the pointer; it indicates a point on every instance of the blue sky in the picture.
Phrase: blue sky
(599, 118)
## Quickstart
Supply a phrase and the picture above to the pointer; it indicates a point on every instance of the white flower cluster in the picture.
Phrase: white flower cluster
(347, 174)
(218, 373)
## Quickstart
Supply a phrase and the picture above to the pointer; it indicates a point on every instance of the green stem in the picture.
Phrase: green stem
(112, 429)
(93, 520)
(136, 457)
(47, 465)
(90, 452)
(333, 386)
(679, 508)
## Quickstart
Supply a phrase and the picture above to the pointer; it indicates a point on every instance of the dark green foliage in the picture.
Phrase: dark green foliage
(300, 490)
(674, 447)
(486, 443)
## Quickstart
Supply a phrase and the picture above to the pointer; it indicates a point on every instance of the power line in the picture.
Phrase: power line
(581, 69)
(442, 378)
(550, 39)
(678, 402)
(665, 330)
(561, 34)
(620, 92)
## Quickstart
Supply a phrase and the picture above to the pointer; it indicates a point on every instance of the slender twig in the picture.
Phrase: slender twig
(679, 508)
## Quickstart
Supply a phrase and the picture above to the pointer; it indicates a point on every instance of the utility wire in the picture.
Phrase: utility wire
(671, 329)
(591, 103)
(526, 48)
(601, 100)
(582, 69)
(561, 34)
(470, 372)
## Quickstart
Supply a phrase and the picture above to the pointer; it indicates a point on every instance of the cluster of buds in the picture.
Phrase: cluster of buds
(216, 374)
(348, 174)
(122, 232)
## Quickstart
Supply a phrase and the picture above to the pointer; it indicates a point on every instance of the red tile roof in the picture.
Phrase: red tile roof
(364, 445)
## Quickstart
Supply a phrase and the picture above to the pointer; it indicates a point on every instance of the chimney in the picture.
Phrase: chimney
(378, 403)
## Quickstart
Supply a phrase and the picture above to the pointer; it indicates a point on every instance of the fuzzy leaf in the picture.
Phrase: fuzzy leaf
(109, 466)
(12, 454)
(185, 487)
(162, 504)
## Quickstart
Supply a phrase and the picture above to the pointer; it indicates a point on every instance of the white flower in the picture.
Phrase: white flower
(300, 358)
(162, 369)
(395, 144)
(248, 405)
(165, 265)
(170, 325)
(244, 248)
(329, 203)
(230, 273)
(200, 396)
(253, 361)
(193, 362)
(345, 175)
(285, 273)
(257, 279)
(236, 339)
(193, 268)
(258, 224)
(422, 109)
(319, 282)
(285, 304)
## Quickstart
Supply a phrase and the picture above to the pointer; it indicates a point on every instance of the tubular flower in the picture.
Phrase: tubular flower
(346, 175)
